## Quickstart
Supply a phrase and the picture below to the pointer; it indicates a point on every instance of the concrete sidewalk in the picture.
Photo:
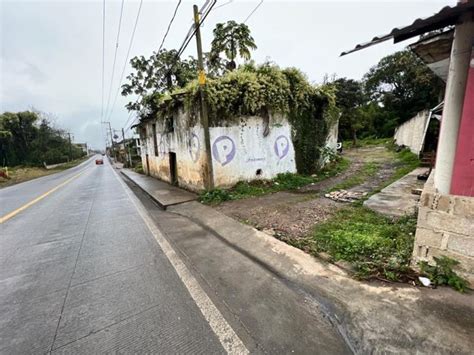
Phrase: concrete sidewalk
(289, 301)
(397, 200)
(161, 192)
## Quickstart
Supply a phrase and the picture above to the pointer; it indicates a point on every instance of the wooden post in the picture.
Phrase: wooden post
(209, 181)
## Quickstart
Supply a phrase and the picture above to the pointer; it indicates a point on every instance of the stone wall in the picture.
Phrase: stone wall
(411, 133)
(445, 227)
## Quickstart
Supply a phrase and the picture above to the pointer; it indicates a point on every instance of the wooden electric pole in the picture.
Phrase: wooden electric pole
(70, 146)
(204, 113)
(127, 149)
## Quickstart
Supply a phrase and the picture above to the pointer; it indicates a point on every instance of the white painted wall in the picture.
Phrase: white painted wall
(331, 140)
(411, 133)
(240, 150)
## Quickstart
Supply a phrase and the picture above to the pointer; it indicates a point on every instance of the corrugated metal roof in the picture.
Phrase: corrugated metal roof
(447, 16)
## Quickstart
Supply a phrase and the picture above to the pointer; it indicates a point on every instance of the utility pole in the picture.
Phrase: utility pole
(127, 149)
(111, 139)
(204, 112)
(70, 146)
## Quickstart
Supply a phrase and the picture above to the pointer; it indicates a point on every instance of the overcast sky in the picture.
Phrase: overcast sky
(51, 51)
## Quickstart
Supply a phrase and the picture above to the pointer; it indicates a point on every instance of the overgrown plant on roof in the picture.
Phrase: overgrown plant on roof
(266, 90)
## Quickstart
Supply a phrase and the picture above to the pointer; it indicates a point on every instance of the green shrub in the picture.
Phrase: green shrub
(215, 196)
(442, 273)
(139, 168)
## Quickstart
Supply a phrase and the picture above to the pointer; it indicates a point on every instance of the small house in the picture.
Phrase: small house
(243, 146)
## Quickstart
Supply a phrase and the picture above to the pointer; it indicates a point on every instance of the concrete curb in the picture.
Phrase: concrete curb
(163, 207)
(162, 193)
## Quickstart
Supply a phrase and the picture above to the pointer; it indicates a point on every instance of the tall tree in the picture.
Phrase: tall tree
(233, 39)
(160, 73)
(403, 85)
(350, 99)
(28, 139)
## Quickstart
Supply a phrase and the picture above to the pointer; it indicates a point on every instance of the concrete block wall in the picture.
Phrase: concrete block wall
(445, 227)
(411, 133)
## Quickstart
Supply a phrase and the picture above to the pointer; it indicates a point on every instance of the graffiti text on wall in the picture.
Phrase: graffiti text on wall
(223, 150)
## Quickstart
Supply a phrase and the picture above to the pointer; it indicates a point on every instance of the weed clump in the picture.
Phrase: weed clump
(442, 273)
(376, 246)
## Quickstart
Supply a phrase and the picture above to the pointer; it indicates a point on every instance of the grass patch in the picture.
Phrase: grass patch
(281, 182)
(20, 174)
(375, 245)
(369, 169)
(366, 142)
(408, 162)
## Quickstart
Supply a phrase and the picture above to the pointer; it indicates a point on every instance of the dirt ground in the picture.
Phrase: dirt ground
(293, 214)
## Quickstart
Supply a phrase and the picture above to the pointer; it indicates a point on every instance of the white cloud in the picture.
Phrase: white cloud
(51, 51)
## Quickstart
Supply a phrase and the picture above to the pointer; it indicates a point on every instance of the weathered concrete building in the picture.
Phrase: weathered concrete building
(243, 149)
(446, 213)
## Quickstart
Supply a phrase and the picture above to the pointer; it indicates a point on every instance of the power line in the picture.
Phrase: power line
(131, 123)
(255, 9)
(103, 59)
(169, 26)
(159, 49)
(224, 4)
(128, 119)
(187, 39)
(194, 28)
(115, 57)
(126, 59)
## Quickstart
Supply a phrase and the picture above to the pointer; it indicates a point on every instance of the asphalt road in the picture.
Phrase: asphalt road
(80, 272)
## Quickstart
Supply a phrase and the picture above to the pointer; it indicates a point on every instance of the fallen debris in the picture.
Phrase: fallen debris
(345, 196)
(425, 281)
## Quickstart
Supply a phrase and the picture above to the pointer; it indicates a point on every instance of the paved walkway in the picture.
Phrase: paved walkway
(397, 199)
(163, 193)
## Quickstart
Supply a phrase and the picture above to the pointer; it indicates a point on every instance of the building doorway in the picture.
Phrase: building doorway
(173, 169)
(147, 165)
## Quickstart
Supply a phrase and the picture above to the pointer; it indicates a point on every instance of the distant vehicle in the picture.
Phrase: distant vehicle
(99, 162)
(103, 154)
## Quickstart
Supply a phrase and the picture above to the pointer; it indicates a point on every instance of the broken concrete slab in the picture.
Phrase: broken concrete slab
(345, 196)
(161, 192)
(397, 199)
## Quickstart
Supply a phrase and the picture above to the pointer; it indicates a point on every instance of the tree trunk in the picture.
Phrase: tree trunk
(354, 137)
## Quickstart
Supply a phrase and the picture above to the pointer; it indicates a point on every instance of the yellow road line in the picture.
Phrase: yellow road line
(39, 198)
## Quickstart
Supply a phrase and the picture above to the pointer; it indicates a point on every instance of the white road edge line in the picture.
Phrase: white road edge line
(229, 340)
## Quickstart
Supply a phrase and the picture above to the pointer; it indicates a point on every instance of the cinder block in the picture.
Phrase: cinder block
(426, 199)
(464, 206)
(422, 212)
(444, 203)
(466, 263)
(428, 237)
(461, 244)
(442, 221)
